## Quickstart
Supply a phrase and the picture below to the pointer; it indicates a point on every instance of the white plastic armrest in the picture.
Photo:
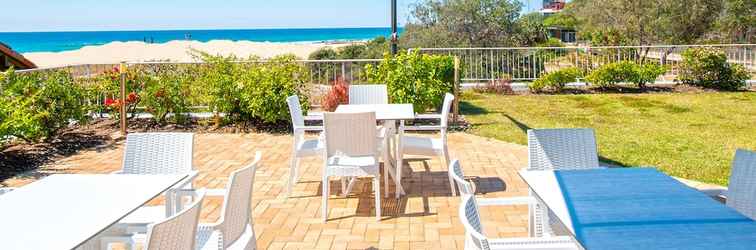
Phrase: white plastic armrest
(314, 116)
(117, 172)
(309, 128)
(523, 200)
(422, 128)
(428, 116)
(215, 192)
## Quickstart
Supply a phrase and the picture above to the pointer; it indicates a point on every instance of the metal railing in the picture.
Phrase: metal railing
(529, 63)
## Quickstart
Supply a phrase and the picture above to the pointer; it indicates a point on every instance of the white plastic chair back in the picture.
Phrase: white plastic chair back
(470, 217)
(350, 134)
(455, 170)
(741, 193)
(562, 149)
(448, 100)
(295, 109)
(368, 94)
(158, 153)
(177, 232)
(237, 206)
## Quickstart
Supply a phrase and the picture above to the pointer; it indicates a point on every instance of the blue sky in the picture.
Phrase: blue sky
(62, 15)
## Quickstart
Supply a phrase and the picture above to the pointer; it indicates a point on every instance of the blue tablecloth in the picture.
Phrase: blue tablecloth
(641, 208)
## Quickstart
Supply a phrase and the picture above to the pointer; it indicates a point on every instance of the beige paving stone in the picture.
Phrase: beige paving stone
(426, 218)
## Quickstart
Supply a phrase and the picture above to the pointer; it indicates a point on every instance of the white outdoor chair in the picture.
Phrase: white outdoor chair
(176, 232)
(475, 238)
(368, 94)
(351, 150)
(550, 149)
(302, 147)
(161, 153)
(233, 230)
(538, 229)
(425, 146)
(741, 193)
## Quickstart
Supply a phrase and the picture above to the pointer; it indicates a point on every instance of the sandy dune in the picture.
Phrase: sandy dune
(177, 51)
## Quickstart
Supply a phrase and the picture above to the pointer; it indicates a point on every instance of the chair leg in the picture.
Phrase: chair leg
(385, 180)
(292, 174)
(377, 188)
(451, 180)
(324, 202)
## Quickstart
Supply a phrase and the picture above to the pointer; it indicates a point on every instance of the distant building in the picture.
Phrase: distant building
(565, 34)
(10, 58)
(551, 7)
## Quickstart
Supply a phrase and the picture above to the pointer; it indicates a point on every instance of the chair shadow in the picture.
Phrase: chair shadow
(425, 184)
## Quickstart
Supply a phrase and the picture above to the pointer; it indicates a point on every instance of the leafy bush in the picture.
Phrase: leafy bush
(265, 87)
(38, 104)
(219, 77)
(109, 85)
(325, 53)
(647, 73)
(415, 78)
(556, 81)
(339, 94)
(167, 93)
(708, 68)
(611, 74)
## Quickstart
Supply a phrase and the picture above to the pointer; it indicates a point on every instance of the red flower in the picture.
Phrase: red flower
(109, 101)
(132, 98)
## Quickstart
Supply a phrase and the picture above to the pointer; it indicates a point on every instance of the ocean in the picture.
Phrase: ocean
(25, 42)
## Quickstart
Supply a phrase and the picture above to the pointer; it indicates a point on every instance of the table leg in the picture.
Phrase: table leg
(399, 160)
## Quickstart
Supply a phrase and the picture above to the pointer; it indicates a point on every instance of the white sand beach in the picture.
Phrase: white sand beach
(176, 51)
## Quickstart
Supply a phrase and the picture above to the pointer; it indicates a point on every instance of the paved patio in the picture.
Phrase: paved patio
(425, 218)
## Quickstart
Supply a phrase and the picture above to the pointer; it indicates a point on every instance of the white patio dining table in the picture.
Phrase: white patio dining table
(638, 208)
(388, 113)
(64, 211)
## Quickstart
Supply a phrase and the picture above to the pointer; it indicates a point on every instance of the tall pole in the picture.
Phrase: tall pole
(394, 32)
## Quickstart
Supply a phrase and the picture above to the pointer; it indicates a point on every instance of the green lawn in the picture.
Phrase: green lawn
(691, 135)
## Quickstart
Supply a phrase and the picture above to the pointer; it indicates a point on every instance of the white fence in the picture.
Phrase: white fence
(529, 63)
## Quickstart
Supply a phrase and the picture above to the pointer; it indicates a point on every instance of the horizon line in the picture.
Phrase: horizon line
(202, 29)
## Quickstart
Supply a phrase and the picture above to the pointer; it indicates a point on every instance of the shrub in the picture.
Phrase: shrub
(415, 78)
(708, 68)
(556, 81)
(219, 77)
(609, 75)
(325, 53)
(646, 73)
(265, 87)
(503, 85)
(38, 104)
(339, 94)
(167, 93)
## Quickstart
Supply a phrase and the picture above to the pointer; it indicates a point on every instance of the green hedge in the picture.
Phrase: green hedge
(33, 106)
(555, 81)
(609, 75)
(708, 68)
(420, 79)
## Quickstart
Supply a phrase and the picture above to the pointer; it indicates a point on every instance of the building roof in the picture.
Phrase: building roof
(15, 56)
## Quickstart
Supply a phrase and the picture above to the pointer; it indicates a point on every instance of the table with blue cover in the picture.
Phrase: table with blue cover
(638, 208)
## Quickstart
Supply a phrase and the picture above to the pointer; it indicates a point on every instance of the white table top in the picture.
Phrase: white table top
(63, 211)
(382, 111)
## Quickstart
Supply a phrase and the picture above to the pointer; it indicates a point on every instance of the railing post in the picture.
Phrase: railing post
(122, 71)
(455, 114)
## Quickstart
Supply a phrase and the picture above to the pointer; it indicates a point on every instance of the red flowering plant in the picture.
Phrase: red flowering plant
(339, 94)
(108, 85)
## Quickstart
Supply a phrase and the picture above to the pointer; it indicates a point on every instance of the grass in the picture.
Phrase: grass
(689, 135)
